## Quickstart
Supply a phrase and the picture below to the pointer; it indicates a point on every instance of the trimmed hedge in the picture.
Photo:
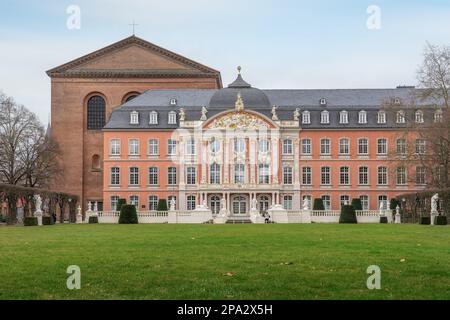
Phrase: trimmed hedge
(425, 220)
(394, 203)
(348, 214)
(2, 218)
(162, 205)
(356, 203)
(318, 204)
(383, 220)
(93, 219)
(120, 203)
(30, 221)
(46, 221)
(440, 220)
(128, 215)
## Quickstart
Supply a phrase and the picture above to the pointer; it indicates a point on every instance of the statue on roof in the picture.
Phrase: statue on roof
(204, 112)
(239, 105)
(182, 114)
(297, 114)
(274, 113)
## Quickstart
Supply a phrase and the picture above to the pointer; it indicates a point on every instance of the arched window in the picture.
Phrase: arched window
(130, 97)
(96, 113)
(96, 162)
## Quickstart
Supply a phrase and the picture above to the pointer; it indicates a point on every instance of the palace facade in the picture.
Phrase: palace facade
(239, 146)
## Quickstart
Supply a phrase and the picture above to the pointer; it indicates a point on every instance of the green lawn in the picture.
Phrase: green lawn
(225, 261)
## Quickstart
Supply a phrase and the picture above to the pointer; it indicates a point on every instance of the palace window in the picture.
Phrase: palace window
(239, 171)
(401, 117)
(382, 176)
(306, 147)
(264, 146)
(191, 147)
(173, 102)
(326, 199)
(383, 202)
(215, 204)
(363, 175)
(287, 147)
(344, 200)
(134, 201)
(96, 113)
(133, 147)
(190, 203)
(323, 102)
(239, 145)
(381, 117)
(113, 202)
(172, 176)
(171, 147)
(306, 117)
(420, 175)
(438, 115)
(344, 176)
(287, 175)
(401, 175)
(362, 117)
(287, 202)
(214, 146)
(325, 176)
(130, 97)
(324, 117)
(134, 117)
(214, 173)
(264, 177)
(363, 146)
(419, 116)
(114, 147)
(153, 147)
(172, 117)
(153, 117)
(325, 146)
(364, 202)
(343, 117)
(115, 176)
(420, 146)
(382, 146)
(306, 176)
(134, 176)
(191, 176)
(152, 203)
(401, 146)
(153, 176)
(344, 146)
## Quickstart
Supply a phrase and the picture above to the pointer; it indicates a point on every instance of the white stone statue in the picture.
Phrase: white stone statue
(95, 206)
(182, 114)
(397, 215)
(274, 113)
(172, 204)
(254, 204)
(79, 215)
(204, 112)
(223, 203)
(434, 203)
(297, 114)
(89, 206)
(205, 204)
(305, 204)
(38, 201)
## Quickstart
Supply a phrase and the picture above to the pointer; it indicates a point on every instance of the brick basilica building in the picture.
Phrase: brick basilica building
(139, 122)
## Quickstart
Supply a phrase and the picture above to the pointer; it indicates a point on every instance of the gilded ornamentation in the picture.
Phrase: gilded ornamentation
(239, 105)
(238, 121)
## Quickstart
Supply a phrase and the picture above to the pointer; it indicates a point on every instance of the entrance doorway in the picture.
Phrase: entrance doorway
(263, 204)
(239, 205)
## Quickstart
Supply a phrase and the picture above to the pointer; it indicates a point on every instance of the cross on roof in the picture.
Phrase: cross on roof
(134, 26)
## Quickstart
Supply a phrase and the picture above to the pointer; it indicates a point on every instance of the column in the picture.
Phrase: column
(296, 162)
(226, 161)
(182, 162)
(203, 144)
(252, 159)
(275, 155)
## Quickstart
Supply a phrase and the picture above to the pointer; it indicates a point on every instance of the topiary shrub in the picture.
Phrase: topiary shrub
(2, 218)
(393, 205)
(348, 214)
(440, 220)
(120, 203)
(128, 215)
(93, 219)
(30, 221)
(318, 204)
(46, 221)
(356, 203)
(425, 220)
(162, 205)
(383, 220)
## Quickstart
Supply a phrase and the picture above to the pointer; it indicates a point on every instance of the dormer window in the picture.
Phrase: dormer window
(134, 117)
(438, 115)
(172, 118)
(324, 117)
(401, 117)
(343, 117)
(362, 117)
(397, 101)
(381, 117)
(173, 102)
(153, 117)
(419, 116)
(323, 102)
(306, 117)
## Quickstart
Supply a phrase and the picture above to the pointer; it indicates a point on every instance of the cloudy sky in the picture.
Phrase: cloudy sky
(280, 44)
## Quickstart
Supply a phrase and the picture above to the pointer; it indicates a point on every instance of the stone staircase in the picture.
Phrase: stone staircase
(239, 220)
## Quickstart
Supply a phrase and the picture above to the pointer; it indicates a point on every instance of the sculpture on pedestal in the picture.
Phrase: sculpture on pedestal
(305, 204)
(38, 202)
(297, 114)
(204, 112)
(172, 205)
